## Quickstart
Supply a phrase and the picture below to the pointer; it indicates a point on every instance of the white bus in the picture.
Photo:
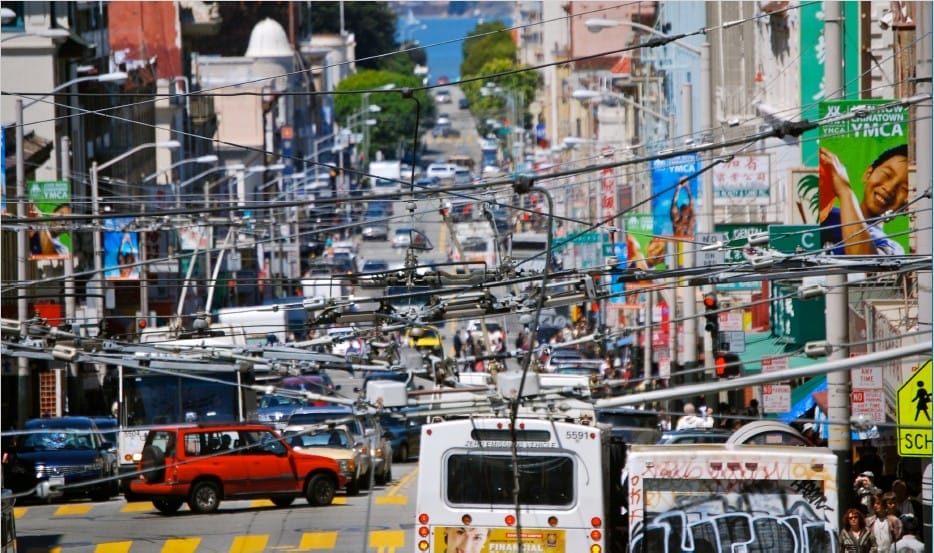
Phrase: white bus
(568, 478)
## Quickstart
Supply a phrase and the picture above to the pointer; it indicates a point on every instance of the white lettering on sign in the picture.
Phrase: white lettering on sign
(869, 403)
(774, 364)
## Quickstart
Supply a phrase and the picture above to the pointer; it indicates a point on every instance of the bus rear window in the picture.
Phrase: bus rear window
(488, 480)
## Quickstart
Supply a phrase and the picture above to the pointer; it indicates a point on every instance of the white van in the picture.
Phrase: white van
(324, 286)
(442, 170)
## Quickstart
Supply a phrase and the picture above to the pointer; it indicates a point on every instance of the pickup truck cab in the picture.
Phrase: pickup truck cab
(205, 464)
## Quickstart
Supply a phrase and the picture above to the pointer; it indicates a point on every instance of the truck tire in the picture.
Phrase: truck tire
(320, 489)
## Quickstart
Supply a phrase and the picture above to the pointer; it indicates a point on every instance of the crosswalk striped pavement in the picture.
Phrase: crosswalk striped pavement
(378, 541)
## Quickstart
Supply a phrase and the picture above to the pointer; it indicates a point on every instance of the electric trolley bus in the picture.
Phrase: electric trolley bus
(568, 479)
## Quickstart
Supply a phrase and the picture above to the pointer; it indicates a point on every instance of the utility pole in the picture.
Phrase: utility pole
(65, 164)
(688, 296)
(923, 220)
(24, 379)
(707, 218)
(837, 321)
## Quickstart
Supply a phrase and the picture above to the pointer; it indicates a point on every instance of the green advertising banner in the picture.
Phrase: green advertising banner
(644, 251)
(49, 239)
(813, 83)
(863, 177)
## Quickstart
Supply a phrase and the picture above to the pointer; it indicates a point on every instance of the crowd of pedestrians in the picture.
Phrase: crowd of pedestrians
(881, 522)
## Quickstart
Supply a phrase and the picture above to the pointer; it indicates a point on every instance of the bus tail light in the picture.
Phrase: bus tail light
(510, 520)
(552, 521)
(595, 548)
(596, 535)
(423, 532)
(596, 522)
(467, 520)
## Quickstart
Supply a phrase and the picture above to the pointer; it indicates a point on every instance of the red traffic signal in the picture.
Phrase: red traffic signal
(710, 302)
(721, 366)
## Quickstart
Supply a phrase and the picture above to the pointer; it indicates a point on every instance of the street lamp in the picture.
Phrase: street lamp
(95, 211)
(210, 158)
(114, 77)
(56, 34)
(585, 95)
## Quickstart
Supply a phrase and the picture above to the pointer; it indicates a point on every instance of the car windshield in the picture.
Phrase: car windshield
(56, 440)
(268, 401)
(319, 438)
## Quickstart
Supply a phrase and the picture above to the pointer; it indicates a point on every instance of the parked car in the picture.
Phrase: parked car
(204, 465)
(334, 441)
(62, 456)
(275, 409)
(307, 417)
(443, 97)
(408, 237)
(695, 436)
(404, 429)
(424, 337)
(374, 229)
(463, 103)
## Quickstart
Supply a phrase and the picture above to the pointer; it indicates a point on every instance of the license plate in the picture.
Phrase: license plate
(56, 482)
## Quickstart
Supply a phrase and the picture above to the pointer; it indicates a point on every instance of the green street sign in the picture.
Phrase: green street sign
(794, 238)
(588, 238)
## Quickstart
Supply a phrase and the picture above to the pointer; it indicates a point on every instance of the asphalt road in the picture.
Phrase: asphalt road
(380, 520)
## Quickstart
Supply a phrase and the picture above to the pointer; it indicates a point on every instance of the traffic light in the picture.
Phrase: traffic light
(721, 365)
(711, 306)
(727, 366)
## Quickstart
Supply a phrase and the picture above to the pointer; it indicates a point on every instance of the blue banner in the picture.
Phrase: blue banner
(674, 202)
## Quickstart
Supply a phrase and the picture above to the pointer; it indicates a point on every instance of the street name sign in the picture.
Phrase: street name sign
(794, 238)
(914, 414)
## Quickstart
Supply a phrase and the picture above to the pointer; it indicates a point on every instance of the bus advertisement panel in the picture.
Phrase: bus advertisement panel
(569, 499)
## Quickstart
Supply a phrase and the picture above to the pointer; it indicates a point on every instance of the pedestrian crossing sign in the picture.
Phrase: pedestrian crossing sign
(914, 414)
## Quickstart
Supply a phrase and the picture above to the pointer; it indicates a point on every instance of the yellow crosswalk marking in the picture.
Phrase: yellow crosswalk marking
(317, 540)
(339, 500)
(391, 500)
(138, 507)
(387, 539)
(249, 544)
(114, 547)
(181, 545)
(73, 510)
(19, 511)
(44, 550)
(261, 503)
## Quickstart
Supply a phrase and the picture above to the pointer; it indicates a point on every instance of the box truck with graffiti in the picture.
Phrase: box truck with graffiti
(708, 498)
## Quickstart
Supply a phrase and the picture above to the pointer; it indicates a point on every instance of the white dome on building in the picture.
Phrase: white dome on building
(268, 40)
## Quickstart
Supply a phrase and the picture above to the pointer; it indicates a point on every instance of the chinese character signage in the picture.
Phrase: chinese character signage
(743, 180)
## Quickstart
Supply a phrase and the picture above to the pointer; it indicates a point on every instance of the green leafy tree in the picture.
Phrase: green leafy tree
(372, 23)
(479, 48)
(397, 118)
(493, 104)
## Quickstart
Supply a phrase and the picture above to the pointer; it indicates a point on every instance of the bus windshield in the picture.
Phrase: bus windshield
(543, 480)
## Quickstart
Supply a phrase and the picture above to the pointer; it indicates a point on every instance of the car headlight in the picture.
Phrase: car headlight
(345, 465)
